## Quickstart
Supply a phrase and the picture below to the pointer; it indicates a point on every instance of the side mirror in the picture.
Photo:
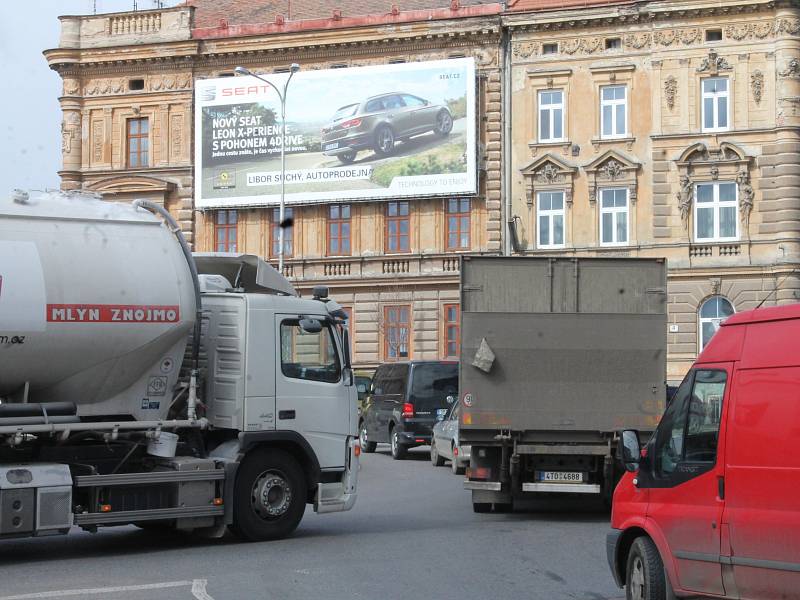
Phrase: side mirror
(451, 399)
(628, 450)
(347, 374)
(310, 325)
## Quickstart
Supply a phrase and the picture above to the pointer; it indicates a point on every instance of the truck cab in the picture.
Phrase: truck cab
(709, 505)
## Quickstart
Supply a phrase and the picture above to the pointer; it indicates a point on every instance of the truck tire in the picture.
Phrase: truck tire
(644, 575)
(366, 445)
(436, 459)
(269, 495)
(481, 507)
(398, 450)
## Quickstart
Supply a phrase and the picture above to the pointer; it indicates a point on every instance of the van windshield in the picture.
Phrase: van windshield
(435, 381)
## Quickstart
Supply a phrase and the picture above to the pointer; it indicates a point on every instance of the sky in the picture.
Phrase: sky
(30, 117)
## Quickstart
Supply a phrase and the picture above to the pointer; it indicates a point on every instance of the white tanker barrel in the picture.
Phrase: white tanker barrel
(96, 306)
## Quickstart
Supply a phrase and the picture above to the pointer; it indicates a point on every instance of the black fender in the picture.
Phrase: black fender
(288, 440)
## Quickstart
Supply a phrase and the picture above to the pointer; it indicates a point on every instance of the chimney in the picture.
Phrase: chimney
(337, 14)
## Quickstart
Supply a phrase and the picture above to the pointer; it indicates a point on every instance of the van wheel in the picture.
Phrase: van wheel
(398, 449)
(269, 496)
(645, 578)
(481, 507)
(366, 445)
(436, 459)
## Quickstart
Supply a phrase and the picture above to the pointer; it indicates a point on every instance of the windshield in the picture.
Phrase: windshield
(345, 111)
(436, 380)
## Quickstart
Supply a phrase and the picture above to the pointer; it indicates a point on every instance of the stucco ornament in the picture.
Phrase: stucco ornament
(714, 63)
(746, 196)
(670, 91)
(757, 84)
(685, 197)
(792, 69)
(548, 174)
(611, 170)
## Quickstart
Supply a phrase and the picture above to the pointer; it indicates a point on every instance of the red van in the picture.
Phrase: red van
(711, 505)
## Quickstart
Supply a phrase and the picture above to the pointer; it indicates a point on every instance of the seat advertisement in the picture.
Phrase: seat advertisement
(357, 133)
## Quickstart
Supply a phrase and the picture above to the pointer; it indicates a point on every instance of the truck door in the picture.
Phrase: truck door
(311, 398)
(762, 474)
(686, 502)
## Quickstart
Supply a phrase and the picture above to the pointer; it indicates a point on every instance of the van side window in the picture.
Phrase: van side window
(310, 356)
(395, 382)
(689, 431)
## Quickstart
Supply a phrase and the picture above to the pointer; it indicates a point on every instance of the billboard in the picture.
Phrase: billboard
(384, 131)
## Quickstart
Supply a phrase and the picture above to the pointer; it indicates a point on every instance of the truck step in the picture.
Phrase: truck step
(562, 488)
(158, 514)
(144, 478)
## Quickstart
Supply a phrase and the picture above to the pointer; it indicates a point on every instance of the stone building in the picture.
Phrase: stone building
(128, 132)
(660, 129)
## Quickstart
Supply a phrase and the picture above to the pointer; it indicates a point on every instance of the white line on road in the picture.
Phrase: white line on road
(198, 590)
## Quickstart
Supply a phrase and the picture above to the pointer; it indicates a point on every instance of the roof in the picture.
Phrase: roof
(761, 315)
(237, 13)
(532, 5)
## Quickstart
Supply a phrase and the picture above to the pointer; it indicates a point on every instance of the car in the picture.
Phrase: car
(445, 445)
(379, 122)
(709, 507)
(404, 402)
(362, 388)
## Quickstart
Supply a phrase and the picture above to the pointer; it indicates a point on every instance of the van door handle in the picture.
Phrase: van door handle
(286, 414)
(721, 488)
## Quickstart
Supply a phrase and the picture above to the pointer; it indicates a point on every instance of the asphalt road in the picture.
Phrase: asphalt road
(412, 534)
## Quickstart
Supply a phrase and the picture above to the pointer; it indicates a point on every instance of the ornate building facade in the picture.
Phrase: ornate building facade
(128, 132)
(661, 129)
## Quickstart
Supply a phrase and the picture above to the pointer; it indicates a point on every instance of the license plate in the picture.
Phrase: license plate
(559, 476)
(332, 146)
(441, 413)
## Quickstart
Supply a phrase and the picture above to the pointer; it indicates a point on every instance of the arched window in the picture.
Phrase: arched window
(711, 314)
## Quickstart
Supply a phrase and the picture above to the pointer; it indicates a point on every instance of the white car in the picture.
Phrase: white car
(444, 442)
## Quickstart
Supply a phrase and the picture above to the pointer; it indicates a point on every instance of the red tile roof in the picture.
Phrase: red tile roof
(210, 13)
(532, 5)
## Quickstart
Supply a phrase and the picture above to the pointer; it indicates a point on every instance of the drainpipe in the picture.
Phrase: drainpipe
(505, 186)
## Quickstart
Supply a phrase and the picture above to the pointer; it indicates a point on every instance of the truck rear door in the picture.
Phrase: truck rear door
(310, 396)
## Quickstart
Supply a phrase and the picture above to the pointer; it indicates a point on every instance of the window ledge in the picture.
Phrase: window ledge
(629, 141)
(565, 146)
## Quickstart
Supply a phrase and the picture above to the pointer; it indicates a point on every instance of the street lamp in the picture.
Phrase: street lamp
(282, 95)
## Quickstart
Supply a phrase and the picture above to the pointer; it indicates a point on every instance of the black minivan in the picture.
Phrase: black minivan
(405, 401)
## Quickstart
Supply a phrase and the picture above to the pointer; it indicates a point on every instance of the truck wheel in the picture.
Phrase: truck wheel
(503, 507)
(645, 579)
(398, 449)
(269, 496)
(481, 507)
(436, 460)
(366, 445)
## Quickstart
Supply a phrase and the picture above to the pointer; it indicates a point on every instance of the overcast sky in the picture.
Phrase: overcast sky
(30, 118)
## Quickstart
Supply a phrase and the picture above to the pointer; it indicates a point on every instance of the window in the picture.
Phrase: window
(715, 212)
(138, 143)
(310, 356)
(225, 229)
(550, 209)
(135, 84)
(458, 224)
(396, 332)
(551, 115)
(715, 104)
(452, 331)
(613, 111)
(710, 316)
(549, 48)
(713, 35)
(689, 430)
(613, 43)
(614, 216)
(339, 230)
(413, 101)
(288, 245)
(397, 227)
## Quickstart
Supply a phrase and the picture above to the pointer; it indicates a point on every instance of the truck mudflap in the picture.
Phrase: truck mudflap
(341, 495)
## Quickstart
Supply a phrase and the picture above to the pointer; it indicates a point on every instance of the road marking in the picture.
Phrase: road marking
(198, 590)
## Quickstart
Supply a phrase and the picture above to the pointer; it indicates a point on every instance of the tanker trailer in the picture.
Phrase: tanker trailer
(140, 384)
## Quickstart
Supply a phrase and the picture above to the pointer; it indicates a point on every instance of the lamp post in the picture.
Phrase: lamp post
(282, 95)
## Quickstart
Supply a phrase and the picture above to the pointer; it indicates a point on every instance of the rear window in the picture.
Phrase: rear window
(435, 380)
(345, 111)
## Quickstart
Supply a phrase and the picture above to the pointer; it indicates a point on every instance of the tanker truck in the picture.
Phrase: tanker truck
(141, 384)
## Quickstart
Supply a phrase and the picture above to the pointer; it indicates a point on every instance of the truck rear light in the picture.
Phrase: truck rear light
(217, 502)
(408, 410)
(105, 508)
(357, 449)
(351, 123)
(455, 451)
(479, 473)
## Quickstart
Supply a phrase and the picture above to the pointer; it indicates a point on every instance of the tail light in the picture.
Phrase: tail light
(408, 410)
(350, 123)
(455, 451)
(479, 473)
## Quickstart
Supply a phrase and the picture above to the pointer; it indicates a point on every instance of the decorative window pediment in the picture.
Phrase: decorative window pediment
(149, 187)
(549, 173)
(613, 169)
